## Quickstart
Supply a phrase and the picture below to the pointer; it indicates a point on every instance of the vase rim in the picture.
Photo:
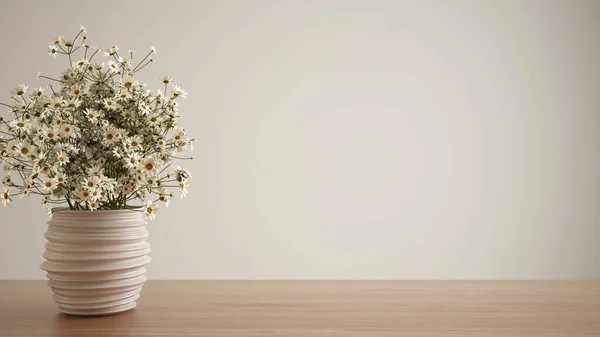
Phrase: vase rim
(67, 210)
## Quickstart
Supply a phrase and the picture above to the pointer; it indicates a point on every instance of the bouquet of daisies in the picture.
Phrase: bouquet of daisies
(95, 138)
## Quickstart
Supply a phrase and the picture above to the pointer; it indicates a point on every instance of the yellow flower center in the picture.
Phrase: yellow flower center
(149, 166)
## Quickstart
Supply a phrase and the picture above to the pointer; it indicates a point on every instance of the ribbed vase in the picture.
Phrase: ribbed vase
(95, 260)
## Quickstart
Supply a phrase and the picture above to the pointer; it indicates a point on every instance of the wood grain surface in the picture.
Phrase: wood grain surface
(321, 309)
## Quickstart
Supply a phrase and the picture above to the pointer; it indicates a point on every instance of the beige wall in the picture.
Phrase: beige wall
(355, 139)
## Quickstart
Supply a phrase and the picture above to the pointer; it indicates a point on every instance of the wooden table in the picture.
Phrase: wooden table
(320, 309)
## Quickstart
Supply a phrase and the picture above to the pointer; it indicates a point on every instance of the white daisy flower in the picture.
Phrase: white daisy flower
(165, 196)
(129, 81)
(132, 161)
(5, 196)
(103, 195)
(150, 210)
(48, 185)
(94, 205)
(20, 90)
(181, 174)
(185, 145)
(81, 63)
(92, 115)
(113, 66)
(124, 95)
(139, 172)
(19, 125)
(128, 188)
(67, 130)
(25, 191)
(95, 193)
(52, 50)
(83, 194)
(128, 114)
(12, 146)
(183, 188)
(56, 102)
(125, 62)
(96, 170)
(155, 118)
(145, 108)
(25, 149)
(134, 143)
(60, 178)
(166, 79)
(56, 40)
(68, 42)
(118, 152)
(110, 104)
(110, 135)
(37, 92)
(76, 91)
(178, 92)
(151, 181)
(91, 182)
(161, 144)
(62, 158)
(108, 184)
(72, 103)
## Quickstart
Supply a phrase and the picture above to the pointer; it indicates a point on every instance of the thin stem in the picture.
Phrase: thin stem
(144, 66)
(144, 59)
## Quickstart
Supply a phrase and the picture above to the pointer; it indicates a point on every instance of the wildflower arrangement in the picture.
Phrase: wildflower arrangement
(96, 138)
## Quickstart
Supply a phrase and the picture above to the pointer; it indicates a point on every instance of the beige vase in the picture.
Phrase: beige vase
(95, 260)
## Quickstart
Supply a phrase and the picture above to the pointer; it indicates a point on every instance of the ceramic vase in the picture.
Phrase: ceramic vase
(95, 260)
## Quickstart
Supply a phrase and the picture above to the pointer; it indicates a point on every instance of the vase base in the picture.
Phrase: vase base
(98, 312)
